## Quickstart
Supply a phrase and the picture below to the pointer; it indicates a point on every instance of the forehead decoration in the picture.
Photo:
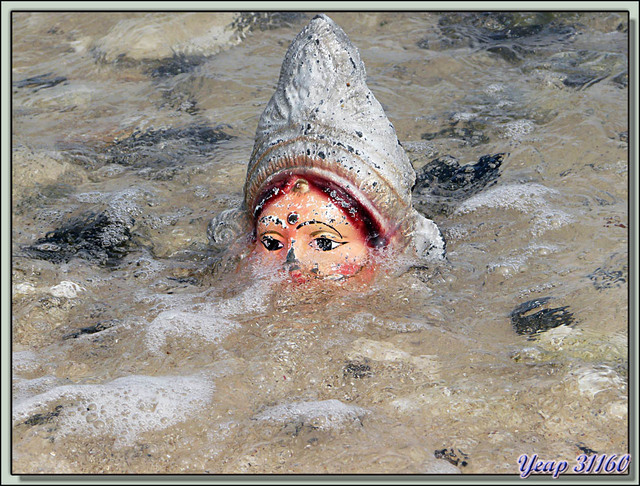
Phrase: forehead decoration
(350, 208)
(292, 218)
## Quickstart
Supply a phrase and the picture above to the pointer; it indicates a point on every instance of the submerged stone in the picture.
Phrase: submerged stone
(443, 183)
(102, 238)
(357, 370)
(179, 63)
(43, 418)
(42, 81)
(489, 29)
(536, 316)
(579, 80)
(180, 100)
(603, 278)
(155, 36)
(100, 326)
(612, 274)
(586, 450)
(622, 79)
(166, 147)
(39, 174)
(511, 54)
(445, 175)
(450, 455)
(536, 41)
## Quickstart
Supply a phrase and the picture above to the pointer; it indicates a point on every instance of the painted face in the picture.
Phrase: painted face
(305, 233)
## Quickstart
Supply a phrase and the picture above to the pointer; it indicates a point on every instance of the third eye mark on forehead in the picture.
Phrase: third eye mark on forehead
(313, 221)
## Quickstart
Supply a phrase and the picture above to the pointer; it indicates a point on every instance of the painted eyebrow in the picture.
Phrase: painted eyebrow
(313, 221)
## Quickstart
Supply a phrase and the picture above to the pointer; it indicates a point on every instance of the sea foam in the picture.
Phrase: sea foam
(324, 415)
(530, 198)
(210, 322)
(124, 408)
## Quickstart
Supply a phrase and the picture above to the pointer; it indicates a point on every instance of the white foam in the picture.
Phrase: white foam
(550, 219)
(494, 88)
(527, 198)
(593, 381)
(24, 288)
(361, 320)
(522, 197)
(324, 414)
(463, 116)
(27, 388)
(517, 130)
(211, 322)
(91, 197)
(24, 361)
(125, 407)
(119, 201)
(204, 324)
(67, 289)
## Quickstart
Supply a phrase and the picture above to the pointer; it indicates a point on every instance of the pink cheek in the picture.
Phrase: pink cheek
(347, 269)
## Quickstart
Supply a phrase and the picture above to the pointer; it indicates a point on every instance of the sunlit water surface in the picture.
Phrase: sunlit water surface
(138, 349)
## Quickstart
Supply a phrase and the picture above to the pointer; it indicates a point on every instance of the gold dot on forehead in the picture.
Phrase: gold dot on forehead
(301, 187)
(292, 218)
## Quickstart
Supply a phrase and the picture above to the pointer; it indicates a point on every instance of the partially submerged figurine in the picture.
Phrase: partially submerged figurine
(328, 188)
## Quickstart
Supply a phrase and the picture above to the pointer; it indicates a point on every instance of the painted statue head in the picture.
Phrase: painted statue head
(313, 231)
(328, 185)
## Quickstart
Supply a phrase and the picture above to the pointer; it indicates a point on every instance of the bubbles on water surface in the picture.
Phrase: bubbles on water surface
(323, 415)
(128, 406)
(366, 320)
(592, 381)
(203, 323)
(517, 130)
(210, 321)
(530, 199)
(23, 389)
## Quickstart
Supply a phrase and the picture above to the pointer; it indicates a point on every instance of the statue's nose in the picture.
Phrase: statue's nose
(291, 263)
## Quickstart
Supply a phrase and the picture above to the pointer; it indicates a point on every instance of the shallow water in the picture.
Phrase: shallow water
(137, 349)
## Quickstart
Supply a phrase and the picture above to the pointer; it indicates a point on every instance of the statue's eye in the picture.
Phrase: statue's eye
(325, 244)
(271, 244)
